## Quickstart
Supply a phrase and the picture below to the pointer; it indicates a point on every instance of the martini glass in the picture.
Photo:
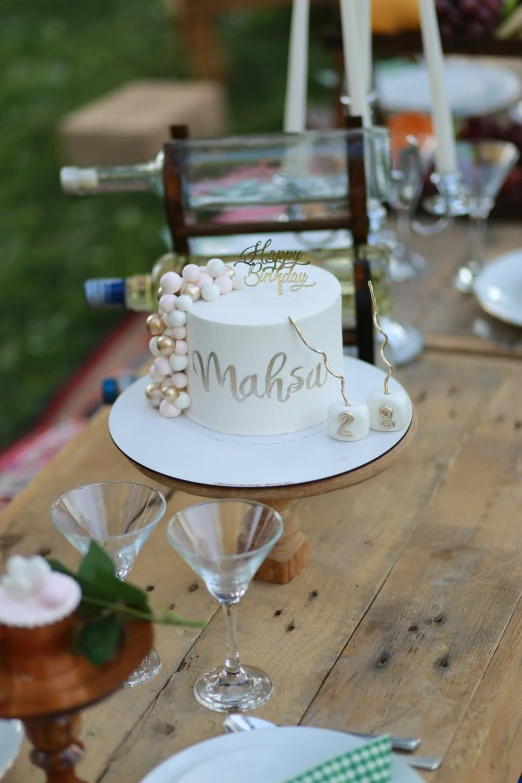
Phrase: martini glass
(225, 542)
(484, 166)
(412, 157)
(120, 516)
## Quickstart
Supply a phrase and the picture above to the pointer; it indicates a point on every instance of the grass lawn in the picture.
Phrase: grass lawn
(54, 57)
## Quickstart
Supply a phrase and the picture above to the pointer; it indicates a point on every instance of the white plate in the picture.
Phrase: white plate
(498, 287)
(182, 449)
(474, 88)
(11, 736)
(267, 756)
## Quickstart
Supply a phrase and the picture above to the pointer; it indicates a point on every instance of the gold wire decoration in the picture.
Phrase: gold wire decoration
(325, 360)
(384, 342)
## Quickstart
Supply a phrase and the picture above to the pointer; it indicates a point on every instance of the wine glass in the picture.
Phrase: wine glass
(412, 157)
(120, 516)
(225, 542)
(484, 166)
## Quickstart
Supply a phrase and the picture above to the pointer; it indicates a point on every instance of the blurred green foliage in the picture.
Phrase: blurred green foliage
(56, 56)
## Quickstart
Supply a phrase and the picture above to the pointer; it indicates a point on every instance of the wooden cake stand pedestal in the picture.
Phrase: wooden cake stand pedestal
(292, 552)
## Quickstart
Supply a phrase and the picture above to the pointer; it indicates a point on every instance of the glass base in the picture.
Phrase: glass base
(234, 693)
(464, 279)
(405, 339)
(147, 669)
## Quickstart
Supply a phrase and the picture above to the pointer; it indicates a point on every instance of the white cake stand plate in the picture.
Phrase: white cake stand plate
(274, 470)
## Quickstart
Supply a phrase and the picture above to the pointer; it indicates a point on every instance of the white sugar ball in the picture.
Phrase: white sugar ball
(178, 362)
(176, 319)
(215, 267)
(179, 380)
(238, 282)
(167, 303)
(162, 366)
(205, 279)
(224, 284)
(180, 332)
(191, 273)
(210, 292)
(168, 410)
(181, 348)
(165, 317)
(171, 282)
(156, 377)
(168, 332)
(184, 303)
(153, 347)
(182, 401)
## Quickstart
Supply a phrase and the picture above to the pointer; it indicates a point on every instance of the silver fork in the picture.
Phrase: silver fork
(237, 723)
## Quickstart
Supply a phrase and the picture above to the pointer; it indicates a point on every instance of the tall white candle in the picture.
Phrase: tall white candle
(353, 63)
(364, 13)
(297, 75)
(445, 153)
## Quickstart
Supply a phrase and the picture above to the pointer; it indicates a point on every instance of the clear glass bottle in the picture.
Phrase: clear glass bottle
(261, 170)
(114, 179)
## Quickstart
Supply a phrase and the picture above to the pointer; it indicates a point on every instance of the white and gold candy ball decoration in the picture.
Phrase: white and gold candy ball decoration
(176, 295)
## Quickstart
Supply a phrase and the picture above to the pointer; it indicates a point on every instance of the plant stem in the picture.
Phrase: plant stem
(123, 608)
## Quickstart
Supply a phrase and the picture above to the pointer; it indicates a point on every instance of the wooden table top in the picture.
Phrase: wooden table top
(408, 618)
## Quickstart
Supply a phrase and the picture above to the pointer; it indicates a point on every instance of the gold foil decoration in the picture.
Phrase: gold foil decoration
(166, 344)
(155, 324)
(325, 360)
(192, 290)
(384, 342)
(160, 293)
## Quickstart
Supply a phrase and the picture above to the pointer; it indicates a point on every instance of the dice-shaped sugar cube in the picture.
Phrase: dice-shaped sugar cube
(348, 422)
(389, 412)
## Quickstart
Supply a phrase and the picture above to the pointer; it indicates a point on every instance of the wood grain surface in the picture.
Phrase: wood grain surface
(408, 618)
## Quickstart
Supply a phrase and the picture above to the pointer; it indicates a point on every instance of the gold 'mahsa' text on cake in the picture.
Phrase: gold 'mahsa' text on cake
(284, 387)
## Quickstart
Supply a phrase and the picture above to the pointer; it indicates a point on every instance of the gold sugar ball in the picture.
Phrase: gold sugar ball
(229, 272)
(155, 324)
(191, 289)
(166, 344)
(160, 293)
(154, 395)
(169, 393)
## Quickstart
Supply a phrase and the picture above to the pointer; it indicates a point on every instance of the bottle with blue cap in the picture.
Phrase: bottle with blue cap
(138, 292)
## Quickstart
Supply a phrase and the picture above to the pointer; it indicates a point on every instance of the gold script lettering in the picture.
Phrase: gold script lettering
(271, 380)
(316, 371)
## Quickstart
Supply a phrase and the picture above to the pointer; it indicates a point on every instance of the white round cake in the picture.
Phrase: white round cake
(249, 373)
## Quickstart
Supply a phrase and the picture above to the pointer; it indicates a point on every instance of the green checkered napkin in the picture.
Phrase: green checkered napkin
(370, 763)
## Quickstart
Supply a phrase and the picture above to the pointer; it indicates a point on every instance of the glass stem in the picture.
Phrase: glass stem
(232, 665)
(477, 242)
(403, 228)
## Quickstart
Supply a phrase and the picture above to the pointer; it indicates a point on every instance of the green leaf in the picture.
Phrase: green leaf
(96, 561)
(98, 639)
(98, 580)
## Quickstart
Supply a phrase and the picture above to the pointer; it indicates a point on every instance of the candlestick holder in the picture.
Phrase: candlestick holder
(43, 684)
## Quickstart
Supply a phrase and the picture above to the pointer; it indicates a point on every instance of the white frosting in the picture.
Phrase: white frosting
(275, 384)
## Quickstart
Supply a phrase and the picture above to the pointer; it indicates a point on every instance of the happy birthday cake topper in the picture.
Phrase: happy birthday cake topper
(274, 266)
